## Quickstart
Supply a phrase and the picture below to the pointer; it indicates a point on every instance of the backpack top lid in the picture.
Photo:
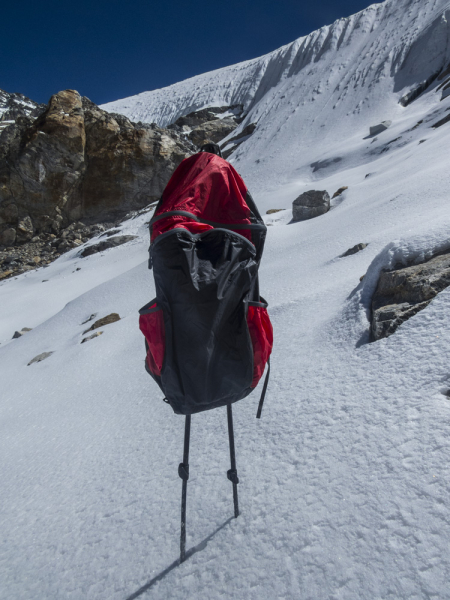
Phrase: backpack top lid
(206, 192)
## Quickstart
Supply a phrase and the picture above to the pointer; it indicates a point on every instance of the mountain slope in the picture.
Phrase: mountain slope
(339, 79)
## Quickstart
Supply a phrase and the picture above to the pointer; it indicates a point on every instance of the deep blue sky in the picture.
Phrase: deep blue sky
(112, 49)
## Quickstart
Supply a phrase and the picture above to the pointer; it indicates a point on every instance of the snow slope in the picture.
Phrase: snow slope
(314, 93)
(344, 483)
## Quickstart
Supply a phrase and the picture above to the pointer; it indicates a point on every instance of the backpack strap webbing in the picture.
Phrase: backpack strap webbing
(264, 390)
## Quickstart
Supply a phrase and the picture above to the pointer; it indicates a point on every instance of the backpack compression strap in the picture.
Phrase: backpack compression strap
(264, 390)
(184, 213)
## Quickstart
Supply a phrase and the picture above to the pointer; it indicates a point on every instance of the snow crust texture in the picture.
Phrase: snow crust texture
(344, 482)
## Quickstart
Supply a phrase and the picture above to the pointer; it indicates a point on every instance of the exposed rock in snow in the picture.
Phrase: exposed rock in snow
(40, 357)
(271, 211)
(404, 292)
(111, 318)
(212, 131)
(310, 204)
(339, 191)
(441, 122)
(355, 249)
(376, 129)
(91, 318)
(106, 244)
(18, 334)
(417, 91)
(91, 337)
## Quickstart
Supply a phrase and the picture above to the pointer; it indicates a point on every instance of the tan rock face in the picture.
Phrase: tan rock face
(404, 292)
(76, 161)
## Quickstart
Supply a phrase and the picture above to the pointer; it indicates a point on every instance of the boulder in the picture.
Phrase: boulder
(310, 204)
(8, 237)
(402, 293)
(25, 230)
(354, 250)
(376, 129)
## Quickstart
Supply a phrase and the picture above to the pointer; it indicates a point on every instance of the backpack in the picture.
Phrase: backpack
(208, 336)
(207, 333)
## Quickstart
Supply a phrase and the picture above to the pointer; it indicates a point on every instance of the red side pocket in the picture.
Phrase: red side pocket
(261, 334)
(151, 323)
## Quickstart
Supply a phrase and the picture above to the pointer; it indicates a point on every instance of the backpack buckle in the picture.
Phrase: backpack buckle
(233, 476)
(183, 471)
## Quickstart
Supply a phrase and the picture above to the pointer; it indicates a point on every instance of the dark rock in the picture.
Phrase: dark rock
(20, 333)
(271, 211)
(310, 204)
(403, 292)
(112, 318)
(199, 117)
(340, 190)
(212, 131)
(40, 357)
(248, 130)
(418, 90)
(106, 244)
(90, 318)
(354, 250)
(441, 122)
(376, 129)
(8, 236)
(324, 164)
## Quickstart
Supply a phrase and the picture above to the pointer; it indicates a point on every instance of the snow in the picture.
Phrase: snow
(344, 482)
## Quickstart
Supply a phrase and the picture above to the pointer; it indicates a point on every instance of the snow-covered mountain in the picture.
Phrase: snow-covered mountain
(344, 482)
(317, 92)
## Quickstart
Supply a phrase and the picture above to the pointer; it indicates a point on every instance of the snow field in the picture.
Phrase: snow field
(344, 482)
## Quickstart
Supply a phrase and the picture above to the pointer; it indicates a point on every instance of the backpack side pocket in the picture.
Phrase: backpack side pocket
(261, 334)
(151, 323)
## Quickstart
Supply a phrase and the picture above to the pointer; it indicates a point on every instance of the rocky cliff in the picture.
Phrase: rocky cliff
(77, 162)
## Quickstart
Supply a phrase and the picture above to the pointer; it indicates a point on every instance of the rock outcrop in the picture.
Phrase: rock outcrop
(78, 162)
(112, 242)
(209, 124)
(310, 204)
(404, 292)
(13, 106)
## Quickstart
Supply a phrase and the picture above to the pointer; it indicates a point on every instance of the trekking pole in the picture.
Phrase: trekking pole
(183, 472)
(232, 473)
